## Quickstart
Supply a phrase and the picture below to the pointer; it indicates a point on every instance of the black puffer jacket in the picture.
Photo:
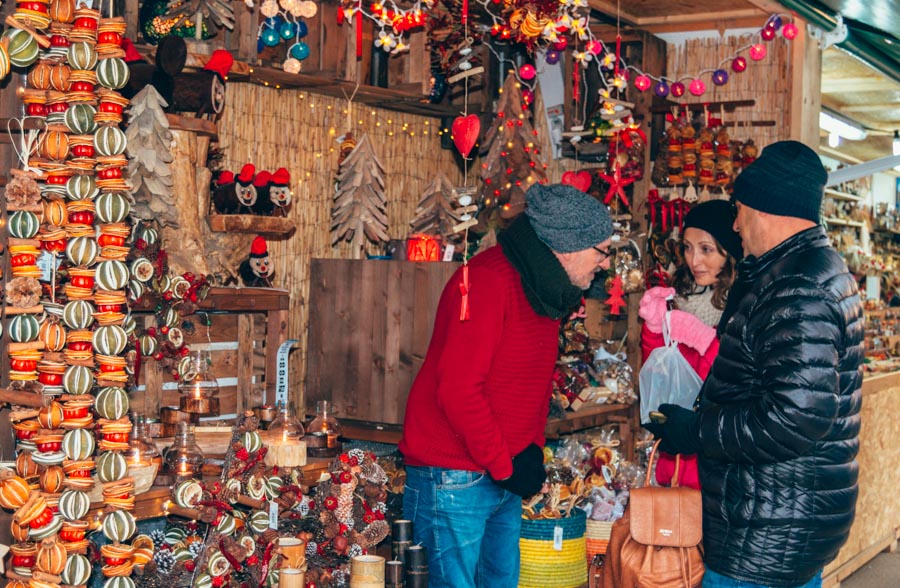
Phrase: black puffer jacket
(779, 416)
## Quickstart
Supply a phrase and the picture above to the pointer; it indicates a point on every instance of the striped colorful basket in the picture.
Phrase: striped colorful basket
(543, 566)
(596, 537)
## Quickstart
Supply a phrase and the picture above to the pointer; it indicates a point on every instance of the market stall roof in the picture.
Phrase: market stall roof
(860, 74)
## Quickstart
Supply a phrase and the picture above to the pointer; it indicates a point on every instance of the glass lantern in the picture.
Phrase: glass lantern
(139, 452)
(285, 428)
(323, 432)
(198, 386)
(184, 458)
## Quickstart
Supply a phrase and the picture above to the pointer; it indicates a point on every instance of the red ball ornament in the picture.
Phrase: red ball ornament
(739, 64)
(594, 47)
(758, 52)
(561, 44)
(527, 96)
(678, 89)
(697, 87)
(789, 31)
(767, 34)
(527, 72)
(642, 83)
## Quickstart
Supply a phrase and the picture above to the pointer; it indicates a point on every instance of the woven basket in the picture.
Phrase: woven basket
(597, 537)
(541, 565)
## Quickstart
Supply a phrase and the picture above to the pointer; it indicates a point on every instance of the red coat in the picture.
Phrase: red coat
(665, 467)
(483, 392)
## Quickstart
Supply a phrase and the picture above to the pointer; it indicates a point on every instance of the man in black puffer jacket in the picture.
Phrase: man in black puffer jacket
(778, 422)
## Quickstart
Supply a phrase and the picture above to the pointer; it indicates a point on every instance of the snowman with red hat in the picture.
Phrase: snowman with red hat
(257, 271)
(245, 188)
(280, 191)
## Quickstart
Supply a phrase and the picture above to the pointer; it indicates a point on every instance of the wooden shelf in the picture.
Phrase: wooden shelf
(843, 222)
(232, 300)
(201, 126)
(251, 223)
(583, 419)
(842, 195)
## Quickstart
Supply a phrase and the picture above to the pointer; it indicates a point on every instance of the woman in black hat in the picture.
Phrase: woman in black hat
(700, 284)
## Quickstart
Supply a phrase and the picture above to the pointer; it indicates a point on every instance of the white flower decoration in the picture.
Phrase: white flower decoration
(583, 57)
(400, 48)
(579, 27)
(269, 8)
(385, 40)
(550, 33)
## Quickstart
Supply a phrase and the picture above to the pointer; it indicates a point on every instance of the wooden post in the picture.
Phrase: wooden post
(806, 88)
(153, 379)
(245, 361)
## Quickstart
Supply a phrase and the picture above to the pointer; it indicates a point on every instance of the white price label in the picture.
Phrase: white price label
(47, 262)
(557, 538)
(281, 371)
(448, 252)
(273, 515)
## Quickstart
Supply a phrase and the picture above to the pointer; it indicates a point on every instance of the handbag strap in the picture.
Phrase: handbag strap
(667, 329)
(653, 454)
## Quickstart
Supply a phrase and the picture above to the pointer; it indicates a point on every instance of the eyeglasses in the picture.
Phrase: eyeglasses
(606, 253)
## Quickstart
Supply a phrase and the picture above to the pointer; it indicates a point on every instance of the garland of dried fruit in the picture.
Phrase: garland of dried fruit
(176, 298)
(72, 174)
(344, 517)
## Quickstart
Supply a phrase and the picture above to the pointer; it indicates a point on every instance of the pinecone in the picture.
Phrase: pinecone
(158, 536)
(165, 561)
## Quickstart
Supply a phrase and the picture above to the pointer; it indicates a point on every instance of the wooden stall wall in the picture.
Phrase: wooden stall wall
(877, 523)
(767, 81)
(299, 130)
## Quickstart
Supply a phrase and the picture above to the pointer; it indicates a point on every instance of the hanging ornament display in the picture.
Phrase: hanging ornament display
(284, 22)
(393, 21)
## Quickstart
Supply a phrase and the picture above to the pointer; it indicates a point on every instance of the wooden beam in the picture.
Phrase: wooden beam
(806, 96)
(700, 18)
(858, 84)
(613, 9)
(871, 107)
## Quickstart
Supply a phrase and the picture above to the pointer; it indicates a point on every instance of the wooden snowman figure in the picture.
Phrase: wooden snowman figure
(257, 271)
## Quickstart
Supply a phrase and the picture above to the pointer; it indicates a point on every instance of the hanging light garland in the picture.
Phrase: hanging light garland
(393, 22)
(284, 21)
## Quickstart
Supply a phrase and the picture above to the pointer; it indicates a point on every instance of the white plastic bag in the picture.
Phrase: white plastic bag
(667, 378)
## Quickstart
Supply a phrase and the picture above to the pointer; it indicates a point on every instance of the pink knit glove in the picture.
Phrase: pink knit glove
(691, 331)
(653, 307)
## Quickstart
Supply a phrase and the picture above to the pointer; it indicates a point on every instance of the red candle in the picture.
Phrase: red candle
(359, 35)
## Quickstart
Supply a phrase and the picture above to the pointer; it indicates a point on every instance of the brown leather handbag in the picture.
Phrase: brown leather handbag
(657, 543)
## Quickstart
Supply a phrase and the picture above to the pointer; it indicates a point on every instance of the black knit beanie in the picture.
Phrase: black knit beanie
(788, 179)
(716, 217)
(566, 219)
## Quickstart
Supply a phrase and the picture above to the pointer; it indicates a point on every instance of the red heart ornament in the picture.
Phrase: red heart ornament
(578, 180)
(465, 133)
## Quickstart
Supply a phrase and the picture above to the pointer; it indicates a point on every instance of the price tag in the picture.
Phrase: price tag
(273, 515)
(448, 252)
(557, 538)
(47, 262)
(281, 372)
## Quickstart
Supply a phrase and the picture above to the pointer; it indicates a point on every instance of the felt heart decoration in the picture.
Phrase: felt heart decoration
(465, 133)
(578, 180)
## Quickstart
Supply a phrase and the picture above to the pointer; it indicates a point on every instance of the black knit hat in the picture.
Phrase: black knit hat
(716, 217)
(788, 179)
(567, 219)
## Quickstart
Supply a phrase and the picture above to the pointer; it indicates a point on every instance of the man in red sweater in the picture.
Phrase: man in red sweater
(476, 414)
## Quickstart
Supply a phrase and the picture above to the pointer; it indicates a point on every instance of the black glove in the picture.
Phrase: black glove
(528, 473)
(681, 431)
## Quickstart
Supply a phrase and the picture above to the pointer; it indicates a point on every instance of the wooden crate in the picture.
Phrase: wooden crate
(248, 325)
(369, 328)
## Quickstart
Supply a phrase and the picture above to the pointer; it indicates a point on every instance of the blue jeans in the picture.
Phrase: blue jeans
(469, 526)
(714, 580)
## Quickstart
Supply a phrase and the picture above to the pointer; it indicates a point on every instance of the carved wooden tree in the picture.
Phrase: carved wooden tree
(359, 211)
(149, 157)
(435, 213)
(512, 163)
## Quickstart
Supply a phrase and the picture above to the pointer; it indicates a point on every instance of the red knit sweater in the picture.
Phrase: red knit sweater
(483, 393)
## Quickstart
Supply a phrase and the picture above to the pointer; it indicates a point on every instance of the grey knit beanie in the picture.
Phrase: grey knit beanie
(567, 219)
(788, 179)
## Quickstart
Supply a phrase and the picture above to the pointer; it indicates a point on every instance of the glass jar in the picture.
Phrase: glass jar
(286, 427)
(139, 452)
(323, 432)
(184, 458)
(198, 386)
